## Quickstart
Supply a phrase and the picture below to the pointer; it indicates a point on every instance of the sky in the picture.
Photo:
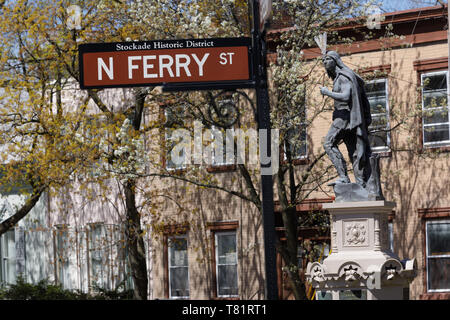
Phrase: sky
(397, 5)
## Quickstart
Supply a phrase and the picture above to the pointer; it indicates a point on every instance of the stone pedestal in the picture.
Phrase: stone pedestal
(361, 265)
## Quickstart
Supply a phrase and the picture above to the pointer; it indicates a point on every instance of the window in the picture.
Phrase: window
(377, 94)
(107, 257)
(98, 246)
(226, 264)
(438, 255)
(8, 257)
(435, 116)
(178, 268)
(62, 256)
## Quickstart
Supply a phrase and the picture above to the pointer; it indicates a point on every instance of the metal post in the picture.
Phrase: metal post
(263, 111)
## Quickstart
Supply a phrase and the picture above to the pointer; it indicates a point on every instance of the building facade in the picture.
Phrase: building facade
(209, 243)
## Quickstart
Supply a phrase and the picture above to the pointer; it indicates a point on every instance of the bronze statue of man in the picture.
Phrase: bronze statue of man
(351, 118)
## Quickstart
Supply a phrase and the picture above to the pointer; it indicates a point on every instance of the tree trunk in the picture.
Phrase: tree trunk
(136, 244)
(289, 255)
(289, 249)
(296, 284)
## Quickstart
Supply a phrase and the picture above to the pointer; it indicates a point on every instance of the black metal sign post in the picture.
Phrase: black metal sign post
(263, 107)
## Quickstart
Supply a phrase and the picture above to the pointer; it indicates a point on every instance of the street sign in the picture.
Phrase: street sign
(265, 11)
(148, 63)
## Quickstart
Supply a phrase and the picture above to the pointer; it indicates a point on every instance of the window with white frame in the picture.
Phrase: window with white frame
(108, 265)
(226, 264)
(435, 115)
(438, 255)
(178, 268)
(8, 257)
(98, 252)
(377, 94)
(62, 255)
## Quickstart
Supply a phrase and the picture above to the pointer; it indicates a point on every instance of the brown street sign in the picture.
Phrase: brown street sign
(148, 63)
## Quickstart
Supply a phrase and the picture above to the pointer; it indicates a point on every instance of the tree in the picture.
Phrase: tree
(50, 142)
(38, 141)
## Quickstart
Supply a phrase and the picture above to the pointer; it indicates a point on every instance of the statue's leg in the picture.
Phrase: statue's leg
(331, 148)
(357, 152)
(366, 165)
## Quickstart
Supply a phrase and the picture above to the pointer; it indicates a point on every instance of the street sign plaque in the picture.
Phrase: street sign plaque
(151, 63)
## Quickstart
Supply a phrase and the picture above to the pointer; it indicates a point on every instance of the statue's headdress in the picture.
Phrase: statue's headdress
(321, 41)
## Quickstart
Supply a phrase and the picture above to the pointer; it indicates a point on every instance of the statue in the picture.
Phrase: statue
(351, 119)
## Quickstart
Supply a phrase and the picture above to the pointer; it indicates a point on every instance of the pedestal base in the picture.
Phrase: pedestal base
(361, 258)
(352, 192)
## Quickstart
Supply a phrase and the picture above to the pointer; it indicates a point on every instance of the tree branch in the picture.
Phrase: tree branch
(252, 199)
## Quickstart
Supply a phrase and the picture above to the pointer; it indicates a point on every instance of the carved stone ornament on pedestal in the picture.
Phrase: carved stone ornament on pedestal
(355, 233)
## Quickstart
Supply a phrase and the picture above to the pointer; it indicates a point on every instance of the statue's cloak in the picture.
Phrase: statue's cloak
(360, 116)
